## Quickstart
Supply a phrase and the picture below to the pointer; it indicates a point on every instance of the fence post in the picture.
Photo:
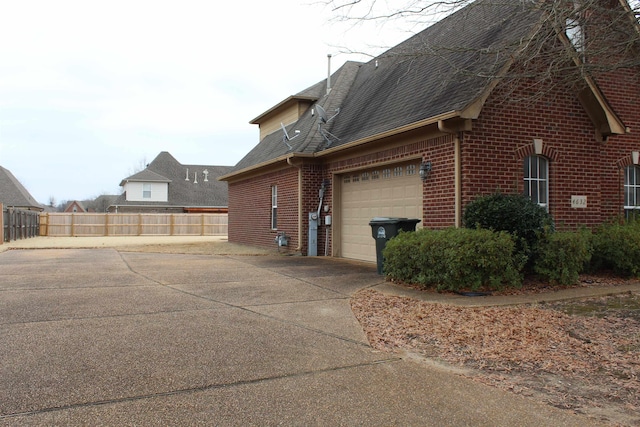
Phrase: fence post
(2, 222)
(12, 229)
(43, 222)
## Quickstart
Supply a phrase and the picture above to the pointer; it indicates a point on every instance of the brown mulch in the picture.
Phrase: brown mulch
(590, 365)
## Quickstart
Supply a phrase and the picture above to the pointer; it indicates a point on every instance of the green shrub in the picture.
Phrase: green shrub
(513, 213)
(400, 256)
(562, 256)
(454, 259)
(617, 247)
(477, 259)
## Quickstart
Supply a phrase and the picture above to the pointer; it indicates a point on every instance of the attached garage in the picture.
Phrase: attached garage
(387, 191)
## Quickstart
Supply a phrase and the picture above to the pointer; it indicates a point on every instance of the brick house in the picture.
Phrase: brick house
(167, 186)
(421, 135)
(75, 206)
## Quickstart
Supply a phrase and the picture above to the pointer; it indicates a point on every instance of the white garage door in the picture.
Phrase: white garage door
(387, 191)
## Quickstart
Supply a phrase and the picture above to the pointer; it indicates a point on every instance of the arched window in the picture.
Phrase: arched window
(632, 190)
(536, 180)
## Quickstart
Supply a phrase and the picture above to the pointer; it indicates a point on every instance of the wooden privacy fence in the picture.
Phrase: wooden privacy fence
(18, 224)
(132, 224)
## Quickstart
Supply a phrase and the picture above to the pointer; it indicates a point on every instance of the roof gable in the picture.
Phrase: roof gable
(309, 140)
(13, 193)
(145, 175)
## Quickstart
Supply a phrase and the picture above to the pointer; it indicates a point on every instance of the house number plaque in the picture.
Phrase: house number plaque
(578, 201)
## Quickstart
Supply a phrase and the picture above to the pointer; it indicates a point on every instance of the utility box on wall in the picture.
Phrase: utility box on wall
(313, 234)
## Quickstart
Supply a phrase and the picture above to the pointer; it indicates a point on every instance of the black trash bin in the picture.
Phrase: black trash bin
(383, 229)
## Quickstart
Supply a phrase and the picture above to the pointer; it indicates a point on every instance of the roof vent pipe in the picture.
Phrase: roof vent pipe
(328, 73)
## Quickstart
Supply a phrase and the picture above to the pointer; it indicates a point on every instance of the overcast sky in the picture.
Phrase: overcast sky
(90, 90)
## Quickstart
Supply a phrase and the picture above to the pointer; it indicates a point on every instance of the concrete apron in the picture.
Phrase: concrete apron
(96, 337)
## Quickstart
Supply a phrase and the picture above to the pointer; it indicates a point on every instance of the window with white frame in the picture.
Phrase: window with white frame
(632, 191)
(146, 191)
(274, 207)
(536, 180)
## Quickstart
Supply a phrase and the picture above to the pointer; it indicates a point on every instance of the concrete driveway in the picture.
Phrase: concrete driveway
(98, 337)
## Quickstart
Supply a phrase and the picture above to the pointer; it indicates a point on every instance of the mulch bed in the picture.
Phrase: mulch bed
(553, 352)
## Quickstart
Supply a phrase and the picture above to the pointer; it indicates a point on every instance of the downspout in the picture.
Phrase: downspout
(290, 163)
(458, 182)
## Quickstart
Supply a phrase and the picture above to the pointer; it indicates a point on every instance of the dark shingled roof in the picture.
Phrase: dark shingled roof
(443, 69)
(146, 176)
(13, 193)
(165, 168)
(272, 145)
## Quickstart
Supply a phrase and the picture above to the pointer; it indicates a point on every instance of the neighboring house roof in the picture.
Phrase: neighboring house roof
(446, 71)
(79, 206)
(145, 176)
(182, 192)
(13, 193)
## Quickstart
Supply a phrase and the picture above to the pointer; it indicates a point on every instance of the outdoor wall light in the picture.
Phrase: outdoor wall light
(425, 170)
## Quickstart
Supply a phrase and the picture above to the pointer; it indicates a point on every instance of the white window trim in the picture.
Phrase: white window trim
(274, 207)
(635, 186)
(534, 183)
(146, 190)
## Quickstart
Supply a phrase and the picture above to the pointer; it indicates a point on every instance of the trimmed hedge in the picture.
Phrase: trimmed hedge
(617, 247)
(562, 256)
(454, 259)
(459, 259)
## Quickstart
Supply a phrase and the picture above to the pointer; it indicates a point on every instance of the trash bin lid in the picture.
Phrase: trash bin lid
(385, 220)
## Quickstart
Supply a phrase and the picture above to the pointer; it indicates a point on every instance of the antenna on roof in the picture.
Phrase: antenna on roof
(328, 73)
(324, 119)
(323, 114)
(286, 138)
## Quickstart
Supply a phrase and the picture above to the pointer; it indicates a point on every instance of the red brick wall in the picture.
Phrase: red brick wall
(313, 174)
(438, 190)
(622, 90)
(492, 153)
(250, 209)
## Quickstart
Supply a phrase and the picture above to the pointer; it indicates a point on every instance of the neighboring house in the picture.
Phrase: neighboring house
(75, 207)
(14, 195)
(168, 186)
(102, 202)
(420, 137)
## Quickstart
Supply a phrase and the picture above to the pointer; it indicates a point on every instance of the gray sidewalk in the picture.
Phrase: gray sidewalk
(98, 337)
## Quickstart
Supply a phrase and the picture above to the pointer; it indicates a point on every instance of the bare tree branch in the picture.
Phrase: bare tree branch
(573, 38)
